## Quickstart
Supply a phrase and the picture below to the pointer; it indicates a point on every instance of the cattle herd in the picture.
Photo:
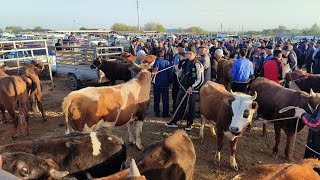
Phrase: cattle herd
(88, 150)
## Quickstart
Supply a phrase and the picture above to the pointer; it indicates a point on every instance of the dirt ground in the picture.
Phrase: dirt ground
(253, 149)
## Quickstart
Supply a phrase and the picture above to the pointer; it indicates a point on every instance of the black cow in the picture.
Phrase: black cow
(304, 80)
(113, 70)
(82, 155)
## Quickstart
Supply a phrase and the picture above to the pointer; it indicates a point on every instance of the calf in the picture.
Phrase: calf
(304, 80)
(172, 158)
(83, 155)
(34, 89)
(307, 169)
(232, 112)
(13, 93)
(91, 108)
(272, 98)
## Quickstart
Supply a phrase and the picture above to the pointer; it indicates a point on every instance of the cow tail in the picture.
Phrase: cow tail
(22, 111)
(35, 92)
(65, 106)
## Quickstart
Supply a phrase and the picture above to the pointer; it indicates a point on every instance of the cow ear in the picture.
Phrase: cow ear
(255, 105)
(228, 101)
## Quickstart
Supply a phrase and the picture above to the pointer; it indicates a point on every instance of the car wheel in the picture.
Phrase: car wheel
(73, 82)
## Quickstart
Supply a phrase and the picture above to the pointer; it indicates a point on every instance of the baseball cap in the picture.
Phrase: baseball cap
(287, 48)
(181, 45)
(219, 52)
(269, 47)
(262, 47)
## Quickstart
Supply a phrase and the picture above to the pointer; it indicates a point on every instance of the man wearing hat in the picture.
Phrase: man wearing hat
(269, 52)
(308, 56)
(217, 56)
(316, 59)
(140, 58)
(289, 58)
(205, 60)
(254, 56)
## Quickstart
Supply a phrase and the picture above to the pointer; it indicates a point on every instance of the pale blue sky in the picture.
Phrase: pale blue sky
(208, 14)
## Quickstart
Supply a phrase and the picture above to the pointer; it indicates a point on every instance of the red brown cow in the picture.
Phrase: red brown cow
(130, 58)
(34, 89)
(13, 93)
(227, 66)
(232, 112)
(91, 108)
(272, 98)
(172, 158)
(220, 70)
(307, 169)
(305, 81)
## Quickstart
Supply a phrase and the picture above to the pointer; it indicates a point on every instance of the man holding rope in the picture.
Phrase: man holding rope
(191, 77)
(313, 122)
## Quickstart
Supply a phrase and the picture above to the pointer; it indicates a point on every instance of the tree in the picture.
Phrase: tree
(160, 28)
(14, 29)
(83, 28)
(197, 30)
(181, 30)
(38, 29)
(152, 26)
(123, 27)
(1, 31)
(295, 31)
(268, 31)
(315, 29)
(282, 27)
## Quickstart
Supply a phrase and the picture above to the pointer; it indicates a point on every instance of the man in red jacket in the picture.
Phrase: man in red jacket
(273, 69)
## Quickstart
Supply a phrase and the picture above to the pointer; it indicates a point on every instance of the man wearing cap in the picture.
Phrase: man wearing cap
(205, 60)
(316, 59)
(274, 69)
(254, 56)
(140, 58)
(262, 57)
(241, 72)
(269, 52)
(300, 60)
(289, 58)
(308, 56)
(217, 56)
(132, 48)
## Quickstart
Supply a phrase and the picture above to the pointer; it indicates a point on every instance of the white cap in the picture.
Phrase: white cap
(134, 171)
(257, 44)
(141, 53)
(219, 52)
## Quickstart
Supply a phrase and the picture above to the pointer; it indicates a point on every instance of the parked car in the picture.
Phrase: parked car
(122, 41)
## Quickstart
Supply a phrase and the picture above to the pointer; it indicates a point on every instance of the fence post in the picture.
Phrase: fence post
(49, 62)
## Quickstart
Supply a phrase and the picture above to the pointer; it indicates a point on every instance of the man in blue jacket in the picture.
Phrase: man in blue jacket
(241, 72)
(161, 86)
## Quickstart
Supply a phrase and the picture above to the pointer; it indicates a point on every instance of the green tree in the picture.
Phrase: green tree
(160, 28)
(1, 31)
(14, 29)
(282, 27)
(295, 31)
(181, 30)
(268, 31)
(38, 29)
(123, 27)
(315, 29)
(150, 26)
(83, 28)
(197, 30)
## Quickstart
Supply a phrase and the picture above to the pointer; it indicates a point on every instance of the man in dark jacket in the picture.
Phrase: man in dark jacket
(301, 61)
(290, 56)
(308, 56)
(161, 85)
(132, 48)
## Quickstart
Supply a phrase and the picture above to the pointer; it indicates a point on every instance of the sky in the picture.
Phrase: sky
(234, 15)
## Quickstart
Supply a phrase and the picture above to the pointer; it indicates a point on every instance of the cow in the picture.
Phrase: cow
(28, 166)
(171, 158)
(34, 88)
(232, 113)
(220, 70)
(304, 80)
(91, 108)
(271, 99)
(13, 93)
(306, 169)
(93, 155)
(113, 70)
(226, 68)
(130, 58)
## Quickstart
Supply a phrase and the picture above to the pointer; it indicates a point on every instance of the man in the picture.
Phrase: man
(58, 45)
(175, 84)
(289, 58)
(161, 85)
(191, 73)
(217, 56)
(140, 58)
(205, 60)
(149, 47)
(316, 59)
(313, 122)
(115, 42)
(254, 56)
(274, 69)
(132, 48)
(269, 52)
(241, 72)
(214, 47)
(300, 60)
(262, 57)
(308, 56)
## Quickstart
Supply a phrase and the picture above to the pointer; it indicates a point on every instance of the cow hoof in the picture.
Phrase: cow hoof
(235, 167)
(139, 146)
(132, 142)
(275, 155)
(266, 135)
(217, 163)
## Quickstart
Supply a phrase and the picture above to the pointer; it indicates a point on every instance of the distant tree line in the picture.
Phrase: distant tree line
(313, 30)
(18, 29)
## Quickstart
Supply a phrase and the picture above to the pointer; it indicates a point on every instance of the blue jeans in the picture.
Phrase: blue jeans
(161, 93)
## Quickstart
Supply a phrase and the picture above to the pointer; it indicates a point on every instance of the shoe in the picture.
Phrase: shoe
(165, 116)
(188, 128)
(171, 125)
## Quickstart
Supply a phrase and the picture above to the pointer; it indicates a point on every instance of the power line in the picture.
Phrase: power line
(138, 15)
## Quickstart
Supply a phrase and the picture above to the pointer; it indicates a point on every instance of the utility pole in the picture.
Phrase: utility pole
(138, 15)
(74, 24)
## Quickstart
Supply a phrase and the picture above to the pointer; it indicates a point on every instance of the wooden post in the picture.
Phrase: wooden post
(49, 62)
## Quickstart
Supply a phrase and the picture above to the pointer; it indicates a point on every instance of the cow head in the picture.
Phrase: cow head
(313, 100)
(97, 63)
(38, 66)
(243, 107)
(127, 57)
(29, 166)
(298, 74)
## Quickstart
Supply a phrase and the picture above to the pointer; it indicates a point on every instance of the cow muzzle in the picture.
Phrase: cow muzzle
(234, 130)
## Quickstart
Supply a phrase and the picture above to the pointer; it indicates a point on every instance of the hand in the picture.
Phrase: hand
(176, 67)
(189, 90)
(155, 70)
(299, 112)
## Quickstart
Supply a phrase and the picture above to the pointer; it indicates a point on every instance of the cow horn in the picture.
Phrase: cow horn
(312, 93)
(58, 174)
(254, 96)
(152, 63)
(232, 92)
(134, 171)
(137, 65)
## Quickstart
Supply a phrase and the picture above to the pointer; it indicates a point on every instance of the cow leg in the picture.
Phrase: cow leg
(12, 113)
(277, 131)
(3, 112)
(44, 118)
(233, 147)
(138, 126)
(288, 150)
(264, 130)
(130, 130)
(220, 146)
(203, 123)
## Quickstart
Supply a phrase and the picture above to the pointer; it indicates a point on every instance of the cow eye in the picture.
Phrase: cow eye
(246, 114)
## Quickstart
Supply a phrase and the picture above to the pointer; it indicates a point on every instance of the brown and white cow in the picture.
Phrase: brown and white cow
(304, 80)
(171, 158)
(271, 99)
(307, 169)
(91, 108)
(232, 113)
(34, 89)
(95, 155)
(13, 93)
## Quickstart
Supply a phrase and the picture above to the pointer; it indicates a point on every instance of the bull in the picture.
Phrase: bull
(304, 80)
(232, 113)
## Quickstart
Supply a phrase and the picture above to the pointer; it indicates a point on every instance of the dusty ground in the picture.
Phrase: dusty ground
(252, 148)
